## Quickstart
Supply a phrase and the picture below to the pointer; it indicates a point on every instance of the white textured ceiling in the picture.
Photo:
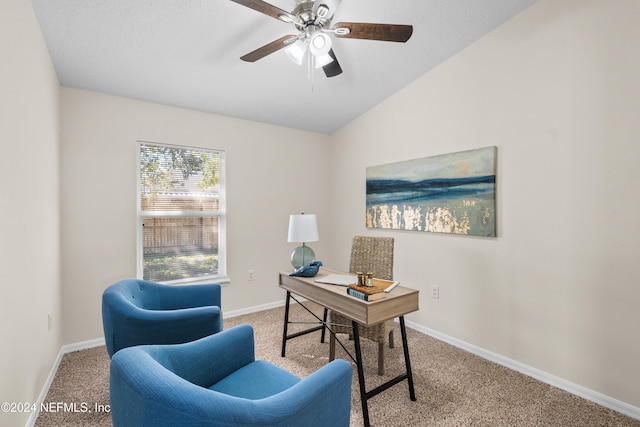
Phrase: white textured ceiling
(186, 53)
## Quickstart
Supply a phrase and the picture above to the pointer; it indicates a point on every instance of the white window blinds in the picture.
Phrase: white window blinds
(180, 213)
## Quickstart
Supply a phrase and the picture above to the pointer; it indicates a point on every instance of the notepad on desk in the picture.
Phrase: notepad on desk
(338, 279)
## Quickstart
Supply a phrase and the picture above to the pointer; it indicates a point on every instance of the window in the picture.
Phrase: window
(181, 213)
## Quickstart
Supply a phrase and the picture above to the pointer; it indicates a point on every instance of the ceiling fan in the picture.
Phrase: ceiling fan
(312, 19)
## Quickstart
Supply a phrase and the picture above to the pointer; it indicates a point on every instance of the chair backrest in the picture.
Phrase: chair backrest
(140, 293)
(372, 254)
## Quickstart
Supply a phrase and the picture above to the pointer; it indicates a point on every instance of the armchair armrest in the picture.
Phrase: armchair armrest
(178, 297)
(321, 399)
(140, 326)
(208, 317)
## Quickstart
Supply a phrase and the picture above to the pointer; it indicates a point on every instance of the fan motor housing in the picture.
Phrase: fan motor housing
(304, 11)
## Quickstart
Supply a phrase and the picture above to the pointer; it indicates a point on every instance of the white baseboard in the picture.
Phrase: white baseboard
(82, 345)
(249, 310)
(52, 373)
(578, 390)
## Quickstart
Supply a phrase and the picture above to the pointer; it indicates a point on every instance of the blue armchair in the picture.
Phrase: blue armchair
(216, 381)
(138, 312)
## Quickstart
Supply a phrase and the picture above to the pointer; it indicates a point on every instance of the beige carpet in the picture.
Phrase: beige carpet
(453, 387)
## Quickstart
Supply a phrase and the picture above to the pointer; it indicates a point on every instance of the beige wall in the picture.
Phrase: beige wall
(29, 208)
(271, 173)
(556, 90)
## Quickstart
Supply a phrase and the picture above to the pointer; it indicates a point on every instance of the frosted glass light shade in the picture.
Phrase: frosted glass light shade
(320, 44)
(296, 51)
(303, 228)
(323, 60)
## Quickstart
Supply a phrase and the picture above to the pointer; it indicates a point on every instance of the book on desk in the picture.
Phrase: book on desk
(376, 291)
(357, 292)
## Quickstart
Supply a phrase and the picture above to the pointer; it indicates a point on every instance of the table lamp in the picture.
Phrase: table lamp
(302, 228)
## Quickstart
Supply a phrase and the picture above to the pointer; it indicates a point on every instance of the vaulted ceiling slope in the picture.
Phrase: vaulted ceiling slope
(186, 53)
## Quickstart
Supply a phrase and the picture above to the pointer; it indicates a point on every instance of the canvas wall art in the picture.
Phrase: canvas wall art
(451, 193)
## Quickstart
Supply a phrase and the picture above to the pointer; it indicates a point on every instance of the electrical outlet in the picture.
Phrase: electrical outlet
(435, 291)
(50, 321)
(251, 275)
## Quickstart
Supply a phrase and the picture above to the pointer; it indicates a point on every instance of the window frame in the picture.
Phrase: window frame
(221, 275)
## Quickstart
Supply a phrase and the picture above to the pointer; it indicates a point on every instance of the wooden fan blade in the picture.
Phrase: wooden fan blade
(383, 32)
(268, 49)
(332, 69)
(267, 9)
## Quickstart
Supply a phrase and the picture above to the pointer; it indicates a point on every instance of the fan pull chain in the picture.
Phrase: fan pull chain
(310, 67)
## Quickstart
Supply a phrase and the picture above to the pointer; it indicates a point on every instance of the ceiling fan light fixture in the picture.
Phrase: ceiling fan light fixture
(320, 44)
(296, 51)
(322, 60)
(312, 20)
(322, 11)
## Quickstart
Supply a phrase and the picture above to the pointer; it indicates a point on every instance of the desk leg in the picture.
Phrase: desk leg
(286, 324)
(363, 390)
(324, 322)
(407, 361)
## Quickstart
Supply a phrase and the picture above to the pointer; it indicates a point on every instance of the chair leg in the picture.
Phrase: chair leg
(332, 347)
(391, 345)
(380, 358)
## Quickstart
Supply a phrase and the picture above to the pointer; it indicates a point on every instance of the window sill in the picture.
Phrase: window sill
(220, 280)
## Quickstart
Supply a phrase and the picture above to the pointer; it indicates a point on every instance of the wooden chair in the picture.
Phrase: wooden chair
(375, 255)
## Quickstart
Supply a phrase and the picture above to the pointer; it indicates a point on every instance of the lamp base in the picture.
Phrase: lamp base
(302, 255)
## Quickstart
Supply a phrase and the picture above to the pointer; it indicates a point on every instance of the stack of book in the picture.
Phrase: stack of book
(365, 292)
(370, 293)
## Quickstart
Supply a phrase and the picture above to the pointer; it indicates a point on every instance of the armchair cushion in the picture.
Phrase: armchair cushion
(216, 381)
(241, 383)
(136, 312)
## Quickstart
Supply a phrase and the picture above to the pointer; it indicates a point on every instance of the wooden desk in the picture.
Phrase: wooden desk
(397, 303)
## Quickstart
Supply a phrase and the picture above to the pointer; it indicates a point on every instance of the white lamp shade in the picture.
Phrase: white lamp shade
(303, 228)
(320, 44)
(296, 51)
(323, 60)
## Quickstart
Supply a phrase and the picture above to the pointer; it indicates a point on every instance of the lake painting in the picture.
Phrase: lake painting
(451, 193)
